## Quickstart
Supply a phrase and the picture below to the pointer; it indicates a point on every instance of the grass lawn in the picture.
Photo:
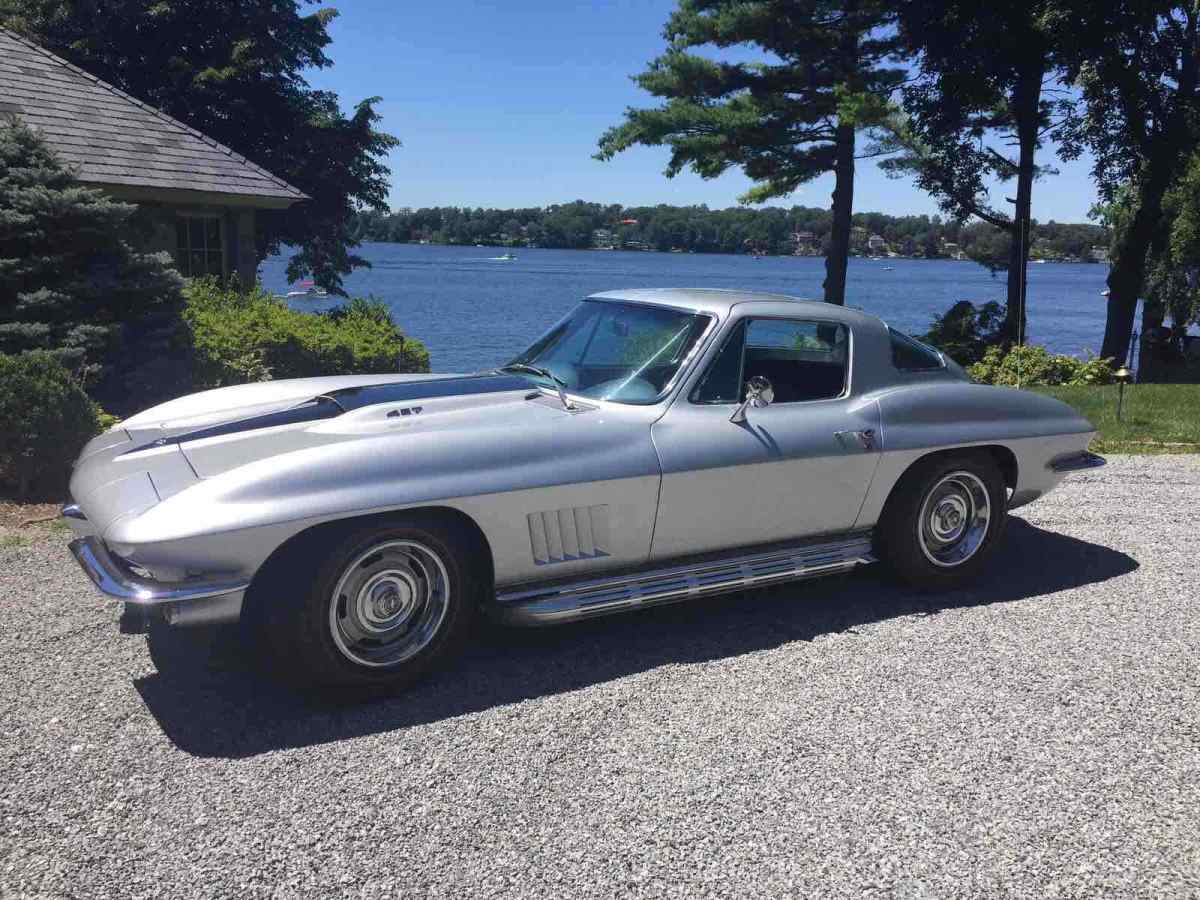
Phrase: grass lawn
(1157, 418)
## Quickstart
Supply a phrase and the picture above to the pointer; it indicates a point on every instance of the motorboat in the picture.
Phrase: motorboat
(309, 289)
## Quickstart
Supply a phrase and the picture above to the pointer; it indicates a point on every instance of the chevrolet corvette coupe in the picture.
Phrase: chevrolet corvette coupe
(652, 446)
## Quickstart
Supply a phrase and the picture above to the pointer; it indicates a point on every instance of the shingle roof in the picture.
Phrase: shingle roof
(112, 138)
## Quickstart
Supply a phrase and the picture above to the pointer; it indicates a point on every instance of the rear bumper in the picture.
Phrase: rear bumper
(195, 601)
(1077, 462)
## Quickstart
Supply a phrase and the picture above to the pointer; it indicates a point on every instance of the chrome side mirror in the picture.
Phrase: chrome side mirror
(759, 393)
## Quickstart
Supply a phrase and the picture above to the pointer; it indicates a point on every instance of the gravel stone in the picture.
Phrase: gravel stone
(1036, 735)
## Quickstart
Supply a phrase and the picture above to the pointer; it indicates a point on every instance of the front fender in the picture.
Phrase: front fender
(234, 520)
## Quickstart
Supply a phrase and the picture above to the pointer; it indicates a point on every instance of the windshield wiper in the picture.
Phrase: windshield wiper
(559, 384)
(328, 398)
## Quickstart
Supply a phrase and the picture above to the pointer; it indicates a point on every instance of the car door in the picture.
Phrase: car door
(799, 466)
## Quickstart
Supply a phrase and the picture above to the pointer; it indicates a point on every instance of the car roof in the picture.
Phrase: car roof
(721, 302)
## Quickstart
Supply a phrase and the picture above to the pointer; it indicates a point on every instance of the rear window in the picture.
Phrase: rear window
(909, 355)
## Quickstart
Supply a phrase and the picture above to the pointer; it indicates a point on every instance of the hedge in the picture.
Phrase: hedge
(1031, 365)
(47, 419)
(238, 336)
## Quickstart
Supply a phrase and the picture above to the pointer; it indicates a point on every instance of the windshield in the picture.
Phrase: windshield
(616, 351)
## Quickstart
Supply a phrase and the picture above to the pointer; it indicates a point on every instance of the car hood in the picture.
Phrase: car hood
(165, 450)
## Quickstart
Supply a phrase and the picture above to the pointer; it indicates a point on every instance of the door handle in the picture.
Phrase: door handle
(865, 438)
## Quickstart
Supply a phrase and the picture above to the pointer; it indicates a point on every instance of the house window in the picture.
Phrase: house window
(199, 248)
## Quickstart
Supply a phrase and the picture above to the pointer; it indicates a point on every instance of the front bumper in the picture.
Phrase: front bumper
(194, 601)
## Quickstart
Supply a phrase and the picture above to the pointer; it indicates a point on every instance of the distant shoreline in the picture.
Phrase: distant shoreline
(741, 231)
(519, 247)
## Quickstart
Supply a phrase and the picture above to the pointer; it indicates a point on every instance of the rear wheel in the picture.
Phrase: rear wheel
(387, 604)
(943, 520)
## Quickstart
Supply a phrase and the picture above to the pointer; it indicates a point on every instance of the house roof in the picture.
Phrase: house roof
(114, 139)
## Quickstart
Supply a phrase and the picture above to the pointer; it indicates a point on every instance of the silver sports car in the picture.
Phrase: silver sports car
(654, 445)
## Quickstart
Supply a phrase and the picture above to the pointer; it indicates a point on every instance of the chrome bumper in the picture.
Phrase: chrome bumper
(191, 602)
(1077, 462)
(77, 521)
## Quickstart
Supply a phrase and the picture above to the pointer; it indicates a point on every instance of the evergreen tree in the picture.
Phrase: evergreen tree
(1137, 63)
(827, 74)
(985, 86)
(70, 280)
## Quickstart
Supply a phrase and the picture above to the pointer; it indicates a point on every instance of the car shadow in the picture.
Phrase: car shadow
(212, 701)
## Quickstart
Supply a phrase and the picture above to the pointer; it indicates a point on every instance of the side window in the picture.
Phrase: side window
(909, 355)
(722, 383)
(802, 360)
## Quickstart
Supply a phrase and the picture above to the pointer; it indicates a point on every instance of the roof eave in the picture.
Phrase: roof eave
(182, 197)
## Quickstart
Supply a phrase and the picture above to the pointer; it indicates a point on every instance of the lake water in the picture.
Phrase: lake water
(474, 312)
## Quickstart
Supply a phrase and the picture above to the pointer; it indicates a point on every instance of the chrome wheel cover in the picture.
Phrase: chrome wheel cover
(389, 603)
(954, 519)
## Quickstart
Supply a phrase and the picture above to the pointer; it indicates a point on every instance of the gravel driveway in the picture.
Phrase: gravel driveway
(1036, 736)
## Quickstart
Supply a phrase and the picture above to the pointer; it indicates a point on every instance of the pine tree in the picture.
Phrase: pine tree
(980, 104)
(828, 70)
(70, 278)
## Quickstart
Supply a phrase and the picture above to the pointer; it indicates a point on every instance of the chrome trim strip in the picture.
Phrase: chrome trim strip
(72, 511)
(551, 605)
(116, 580)
(1077, 462)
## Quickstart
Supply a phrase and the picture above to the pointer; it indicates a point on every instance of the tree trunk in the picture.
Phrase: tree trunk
(1026, 99)
(1154, 314)
(837, 258)
(1128, 271)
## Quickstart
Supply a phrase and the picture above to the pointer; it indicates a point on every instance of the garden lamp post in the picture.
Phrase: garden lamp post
(1122, 375)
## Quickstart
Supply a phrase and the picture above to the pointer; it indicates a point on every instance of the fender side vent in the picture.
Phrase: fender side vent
(562, 535)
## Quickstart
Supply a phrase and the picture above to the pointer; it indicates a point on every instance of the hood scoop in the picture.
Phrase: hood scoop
(344, 400)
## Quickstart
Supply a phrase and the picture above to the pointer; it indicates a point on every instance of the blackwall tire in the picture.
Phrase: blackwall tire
(387, 604)
(943, 521)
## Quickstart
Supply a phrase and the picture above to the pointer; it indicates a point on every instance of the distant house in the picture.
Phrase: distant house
(200, 196)
(952, 250)
(876, 244)
(805, 243)
(858, 237)
(602, 239)
(1099, 254)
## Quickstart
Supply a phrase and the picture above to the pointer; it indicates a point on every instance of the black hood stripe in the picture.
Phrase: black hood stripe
(434, 388)
(343, 400)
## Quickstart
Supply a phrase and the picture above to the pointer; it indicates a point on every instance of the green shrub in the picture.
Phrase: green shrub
(254, 336)
(1033, 365)
(47, 419)
(964, 332)
(106, 420)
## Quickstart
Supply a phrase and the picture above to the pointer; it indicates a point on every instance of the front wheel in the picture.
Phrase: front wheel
(387, 604)
(943, 521)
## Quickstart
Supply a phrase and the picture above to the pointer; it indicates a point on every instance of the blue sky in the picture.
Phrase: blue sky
(501, 104)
